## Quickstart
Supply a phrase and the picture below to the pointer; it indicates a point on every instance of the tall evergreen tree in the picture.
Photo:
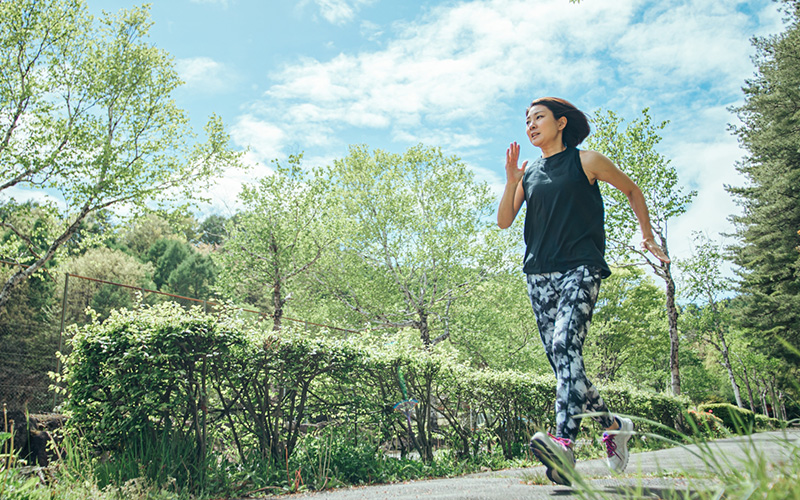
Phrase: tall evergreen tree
(769, 263)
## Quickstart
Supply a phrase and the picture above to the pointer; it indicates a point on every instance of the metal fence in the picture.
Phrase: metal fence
(28, 349)
(27, 355)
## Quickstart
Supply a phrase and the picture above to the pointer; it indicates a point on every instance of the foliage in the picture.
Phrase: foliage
(166, 255)
(277, 239)
(704, 282)
(626, 330)
(494, 327)
(87, 114)
(143, 233)
(633, 150)
(706, 424)
(113, 402)
(766, 255)
(104, 264)
(212, 230)
(417, 240)
(765, 423)
(193, 277)
(212, 382)
(736, 419)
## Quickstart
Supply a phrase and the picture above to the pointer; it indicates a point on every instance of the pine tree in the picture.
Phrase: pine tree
(767, 255)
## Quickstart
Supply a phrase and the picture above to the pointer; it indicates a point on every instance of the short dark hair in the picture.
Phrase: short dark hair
(577, 128)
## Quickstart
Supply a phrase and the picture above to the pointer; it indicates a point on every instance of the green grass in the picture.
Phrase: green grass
(324, 462)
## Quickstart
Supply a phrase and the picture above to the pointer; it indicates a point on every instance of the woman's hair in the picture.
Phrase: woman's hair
(577, 128)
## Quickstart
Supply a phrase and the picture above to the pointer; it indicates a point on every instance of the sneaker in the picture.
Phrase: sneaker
(557, 455)
(617, 445)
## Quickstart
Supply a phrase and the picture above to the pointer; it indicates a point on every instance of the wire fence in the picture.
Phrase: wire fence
(28, 347)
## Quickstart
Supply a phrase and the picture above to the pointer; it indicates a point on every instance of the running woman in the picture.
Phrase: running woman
(564, 263)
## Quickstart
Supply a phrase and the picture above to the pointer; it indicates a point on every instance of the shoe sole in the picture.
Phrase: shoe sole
(544, 455)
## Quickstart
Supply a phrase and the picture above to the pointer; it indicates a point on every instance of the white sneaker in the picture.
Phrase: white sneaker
(557, 455)
(617, 445)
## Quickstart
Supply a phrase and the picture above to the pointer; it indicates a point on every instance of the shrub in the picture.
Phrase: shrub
(664, 409)
(765, 423)
(736, 419)
(159, 388)
(705, 424)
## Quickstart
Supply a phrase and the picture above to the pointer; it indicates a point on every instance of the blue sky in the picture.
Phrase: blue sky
(318, 75)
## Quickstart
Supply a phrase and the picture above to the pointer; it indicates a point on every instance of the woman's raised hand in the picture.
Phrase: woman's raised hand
(650, 245)
(513, 172)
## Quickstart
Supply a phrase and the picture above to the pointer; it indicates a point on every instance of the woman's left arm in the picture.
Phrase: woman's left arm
(598, 167)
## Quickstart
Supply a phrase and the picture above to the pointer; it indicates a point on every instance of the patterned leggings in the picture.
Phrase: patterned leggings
(563, 305)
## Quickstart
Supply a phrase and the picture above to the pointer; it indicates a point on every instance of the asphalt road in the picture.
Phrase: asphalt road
(672, 473)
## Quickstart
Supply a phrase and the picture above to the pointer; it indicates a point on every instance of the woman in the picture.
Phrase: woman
(564, 263)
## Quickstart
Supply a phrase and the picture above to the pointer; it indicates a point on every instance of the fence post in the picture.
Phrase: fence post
(61, 332)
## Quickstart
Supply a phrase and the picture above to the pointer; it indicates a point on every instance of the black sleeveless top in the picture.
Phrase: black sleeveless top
(564, 219)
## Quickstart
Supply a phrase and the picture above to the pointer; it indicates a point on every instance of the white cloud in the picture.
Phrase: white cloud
(224, 195)
(264, 140)
(205, 75)
(338, 11)
(461, 74)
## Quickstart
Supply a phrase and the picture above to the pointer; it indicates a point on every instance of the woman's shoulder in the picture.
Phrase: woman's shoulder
(588, 155)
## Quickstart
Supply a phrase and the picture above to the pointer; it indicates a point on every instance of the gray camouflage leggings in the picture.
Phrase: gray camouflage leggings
(563, 305)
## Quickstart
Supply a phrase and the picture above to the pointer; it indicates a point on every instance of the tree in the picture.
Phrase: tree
(625, 323)
(212, 230)
(277, 238)
(141, 233)
(417, 238)
(766, 256)
(193, 277)
(166, 255)
(705, 283)
(86, 112)
(632, 149)
(107, 265)
(495, 328)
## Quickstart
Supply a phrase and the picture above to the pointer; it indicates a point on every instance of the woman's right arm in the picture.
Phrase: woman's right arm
(513, 195)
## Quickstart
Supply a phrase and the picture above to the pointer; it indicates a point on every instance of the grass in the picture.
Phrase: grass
(325, 463)
(755, 477)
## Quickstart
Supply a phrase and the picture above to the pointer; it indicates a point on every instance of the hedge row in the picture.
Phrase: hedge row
(740, 420)
(221, 382)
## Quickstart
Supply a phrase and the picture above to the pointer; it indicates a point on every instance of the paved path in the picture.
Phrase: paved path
(657, 474)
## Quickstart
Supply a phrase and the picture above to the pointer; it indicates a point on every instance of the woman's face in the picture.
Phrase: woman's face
(542, 127)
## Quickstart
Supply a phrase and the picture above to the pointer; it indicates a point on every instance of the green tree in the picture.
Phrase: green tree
(101, 264)
(706, 286)
(212, 230)
(626, 324)
(416, 241)
(86, 111)
(494, 327)
(143, 232)
(766, 256)
(193, 277)
(166, 255)
(633, 150)
(276, 239)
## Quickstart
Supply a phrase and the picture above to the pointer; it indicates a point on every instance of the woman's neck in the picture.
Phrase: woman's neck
(549, 150)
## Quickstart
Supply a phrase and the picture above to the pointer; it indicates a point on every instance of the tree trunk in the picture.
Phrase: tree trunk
(674, 340)
(727, 362)
(775, 403)
(747, 384)
(762, 389)
(784, 416)
(424, 329)
(277, 290)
